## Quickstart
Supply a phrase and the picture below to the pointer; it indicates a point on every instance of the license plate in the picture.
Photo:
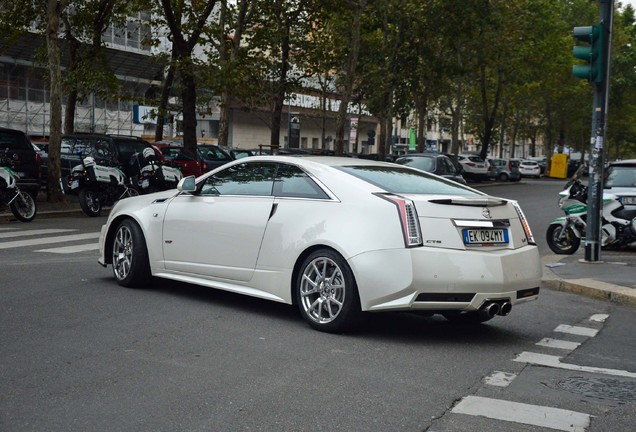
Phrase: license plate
(73, 184)
(485, 237)
(629, 200)
(22, 174)
(145, 183)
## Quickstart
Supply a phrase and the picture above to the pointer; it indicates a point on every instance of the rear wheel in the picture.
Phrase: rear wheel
(503, 177)
(130, 255)
(565, 244)
(326, 292)
(23, 207)
(89, 202)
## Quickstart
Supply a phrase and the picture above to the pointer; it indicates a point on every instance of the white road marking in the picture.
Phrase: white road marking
(500, 379)
(555, 362)
(536, 415)
(557, 343)
(72, 249)
(34, 232)
(599, 317)
(48, 240)
(576, 330)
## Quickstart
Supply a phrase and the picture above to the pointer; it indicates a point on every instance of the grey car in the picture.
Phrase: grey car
(504, 170)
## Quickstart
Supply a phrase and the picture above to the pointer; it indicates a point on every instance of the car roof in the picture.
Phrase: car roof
(626, 162)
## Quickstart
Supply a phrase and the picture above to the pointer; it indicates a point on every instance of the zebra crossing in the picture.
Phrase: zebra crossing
(70, 240)
(545, 417)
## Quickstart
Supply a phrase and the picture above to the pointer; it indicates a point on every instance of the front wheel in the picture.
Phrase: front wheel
(130, 255)
(562, 243)
(89, 202)
(23, 207)
(326, 292)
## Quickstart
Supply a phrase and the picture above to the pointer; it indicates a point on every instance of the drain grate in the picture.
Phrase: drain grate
(601, 388)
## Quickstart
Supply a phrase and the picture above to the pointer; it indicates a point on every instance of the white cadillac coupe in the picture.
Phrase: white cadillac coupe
(335, 236)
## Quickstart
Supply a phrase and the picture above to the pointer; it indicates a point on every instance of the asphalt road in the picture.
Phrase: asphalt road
(80, 353)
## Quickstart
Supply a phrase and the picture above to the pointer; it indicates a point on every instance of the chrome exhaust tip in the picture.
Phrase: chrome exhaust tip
(490, 309)
(505, 309)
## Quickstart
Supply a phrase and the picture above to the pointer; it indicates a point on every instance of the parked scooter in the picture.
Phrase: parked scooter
(96, 186)
(149, 174)
(618, 225)
(22, 204)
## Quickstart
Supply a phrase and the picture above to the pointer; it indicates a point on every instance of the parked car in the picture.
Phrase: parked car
(238, 153)
(475, 168)
(213, 155)
(296, 230)
(434, 163)
(27, 164)
(189, 163)
(621, 181)
(107, 150)
(504, 169)
(529, 168)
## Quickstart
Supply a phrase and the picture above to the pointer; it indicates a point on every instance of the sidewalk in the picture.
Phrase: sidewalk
(612, 279)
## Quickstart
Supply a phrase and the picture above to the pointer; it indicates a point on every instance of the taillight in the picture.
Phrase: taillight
(524, 223)
(408, 219)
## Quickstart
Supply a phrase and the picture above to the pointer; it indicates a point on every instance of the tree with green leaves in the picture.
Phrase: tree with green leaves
(186, 21)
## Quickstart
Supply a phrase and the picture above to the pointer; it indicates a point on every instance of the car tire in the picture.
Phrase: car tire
(503, 177)
(326, 292)
(131, 266)
(89, 202)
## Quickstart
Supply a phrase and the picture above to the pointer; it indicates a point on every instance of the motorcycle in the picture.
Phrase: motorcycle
(96, 185)
(22, 204)
(618, 225)
(150, 175)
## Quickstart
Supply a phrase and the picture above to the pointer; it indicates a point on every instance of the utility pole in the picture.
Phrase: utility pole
(597, 72)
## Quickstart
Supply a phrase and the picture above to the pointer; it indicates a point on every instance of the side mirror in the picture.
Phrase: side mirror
(187, 184)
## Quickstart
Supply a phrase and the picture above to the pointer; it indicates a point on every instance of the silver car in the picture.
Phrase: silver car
(621, 181)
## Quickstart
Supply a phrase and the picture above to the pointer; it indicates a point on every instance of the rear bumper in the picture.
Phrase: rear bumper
(444, 279)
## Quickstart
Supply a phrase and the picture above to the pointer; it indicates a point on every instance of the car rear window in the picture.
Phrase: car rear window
(14, 141)
(420, 162)
(403, 180)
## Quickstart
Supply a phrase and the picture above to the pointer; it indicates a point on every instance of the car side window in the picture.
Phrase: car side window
(256, 179)
(292, 182)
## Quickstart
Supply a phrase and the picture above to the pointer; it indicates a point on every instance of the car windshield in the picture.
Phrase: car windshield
(621, 176)
(403, 180)
(420, 162)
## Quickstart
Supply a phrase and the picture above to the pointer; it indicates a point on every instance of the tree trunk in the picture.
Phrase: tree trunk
(54, 10)
(421, 109)
(189, 100)
(349, 76)
(281, 87)
(165, 97)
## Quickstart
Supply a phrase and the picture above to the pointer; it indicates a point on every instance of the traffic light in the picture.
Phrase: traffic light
(592, 53)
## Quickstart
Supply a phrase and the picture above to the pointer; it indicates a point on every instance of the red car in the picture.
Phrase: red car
(188, 163)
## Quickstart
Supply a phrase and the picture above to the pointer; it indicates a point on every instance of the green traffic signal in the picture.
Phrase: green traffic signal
(592, 53)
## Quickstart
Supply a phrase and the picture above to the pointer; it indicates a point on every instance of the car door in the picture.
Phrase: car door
(217, 232)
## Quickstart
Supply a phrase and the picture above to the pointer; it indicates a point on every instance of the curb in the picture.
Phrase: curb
(591, 288)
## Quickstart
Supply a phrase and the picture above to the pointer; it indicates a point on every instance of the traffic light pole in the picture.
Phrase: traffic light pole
(597, 141)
